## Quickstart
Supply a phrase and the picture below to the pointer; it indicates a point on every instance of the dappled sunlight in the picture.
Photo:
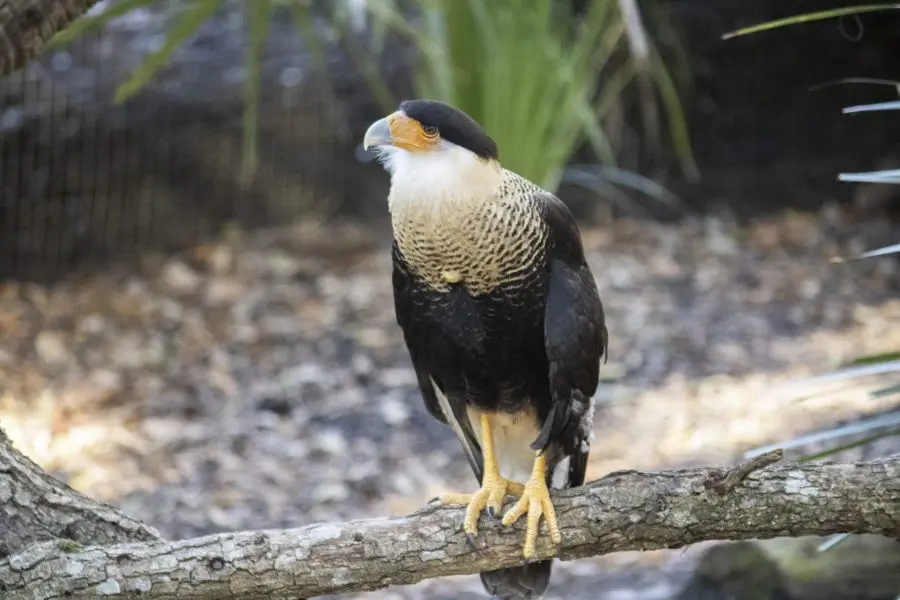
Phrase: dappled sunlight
(716, 419)
(90, 456)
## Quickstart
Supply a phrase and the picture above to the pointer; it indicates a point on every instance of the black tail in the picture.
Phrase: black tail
(527, 582)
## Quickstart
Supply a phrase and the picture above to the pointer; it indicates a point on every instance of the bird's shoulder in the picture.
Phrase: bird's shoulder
(574, 319)
(562, 235)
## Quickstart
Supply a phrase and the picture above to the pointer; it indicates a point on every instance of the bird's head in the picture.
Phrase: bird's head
(431, 142)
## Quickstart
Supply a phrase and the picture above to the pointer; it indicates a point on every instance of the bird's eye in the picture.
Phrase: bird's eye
(430, 130)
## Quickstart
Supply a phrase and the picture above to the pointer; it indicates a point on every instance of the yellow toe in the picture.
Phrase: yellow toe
(455, 498)
(492, 494)
(534, 502)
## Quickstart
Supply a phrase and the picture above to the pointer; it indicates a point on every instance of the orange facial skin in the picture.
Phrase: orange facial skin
(409, 134)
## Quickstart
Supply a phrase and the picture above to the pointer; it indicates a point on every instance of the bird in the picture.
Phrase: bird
(501, 317)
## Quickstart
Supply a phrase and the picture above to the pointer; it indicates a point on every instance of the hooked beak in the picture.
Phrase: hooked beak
(378, 134)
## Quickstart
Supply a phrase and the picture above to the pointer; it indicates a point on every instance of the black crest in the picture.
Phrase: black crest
(453, 125)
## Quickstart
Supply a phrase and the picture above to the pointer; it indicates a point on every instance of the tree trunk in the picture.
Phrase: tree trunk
(34, 506)
(26, 25)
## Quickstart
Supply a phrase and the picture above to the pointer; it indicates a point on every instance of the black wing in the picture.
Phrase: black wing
(419, 332)
(575, 336)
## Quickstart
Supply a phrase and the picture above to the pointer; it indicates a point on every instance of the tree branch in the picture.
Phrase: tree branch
(627, 510)
(34, 506)
(26, 25)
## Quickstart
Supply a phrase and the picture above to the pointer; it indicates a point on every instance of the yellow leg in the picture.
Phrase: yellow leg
(535, 501)
(494, 488)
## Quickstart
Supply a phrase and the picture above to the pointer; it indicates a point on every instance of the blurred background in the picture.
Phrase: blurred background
(196, 320)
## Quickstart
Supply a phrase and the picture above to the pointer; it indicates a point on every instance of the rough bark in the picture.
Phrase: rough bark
(26, 25)
(34, 506)
(628, 510)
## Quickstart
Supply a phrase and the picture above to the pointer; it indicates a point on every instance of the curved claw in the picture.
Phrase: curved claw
(535, 502)
(470, 540)
(491, 496)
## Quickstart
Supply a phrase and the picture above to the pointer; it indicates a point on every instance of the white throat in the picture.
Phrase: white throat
(450, 173)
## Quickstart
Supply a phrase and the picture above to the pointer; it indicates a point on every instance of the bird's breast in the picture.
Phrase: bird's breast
(479, 246)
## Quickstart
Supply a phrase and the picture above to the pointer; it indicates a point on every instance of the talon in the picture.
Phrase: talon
(470, 539)
(494, 489)
(496, 498)
(535, 501)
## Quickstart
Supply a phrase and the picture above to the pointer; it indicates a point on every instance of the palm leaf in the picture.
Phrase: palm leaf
(884, 425)
(891, 176)
(892, 105)
(513, 62)
(301, 14)
(883, 251)
(873, 359)
(849, 445)
(863, 370)
(887, 421)
(187, 24)
(809, 17)
(890, 390)
(90, 23)
(258, 16)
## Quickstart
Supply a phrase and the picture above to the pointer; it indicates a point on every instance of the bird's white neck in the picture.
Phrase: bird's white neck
(422, 181)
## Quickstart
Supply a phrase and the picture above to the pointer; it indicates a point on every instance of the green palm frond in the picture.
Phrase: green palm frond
(877, 252)
(893, 105)
(93, 22)
(193, 14)
(192, 17)
(871, 429)
(874, 359)
(258, 17)
(865, 366)
(810, 17)
(529, 72)
(891, 176)
(505, 62)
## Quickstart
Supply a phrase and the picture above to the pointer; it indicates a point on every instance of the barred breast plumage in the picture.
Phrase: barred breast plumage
(481, 243)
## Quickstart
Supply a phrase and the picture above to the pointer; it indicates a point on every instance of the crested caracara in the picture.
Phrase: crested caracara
(501, 317)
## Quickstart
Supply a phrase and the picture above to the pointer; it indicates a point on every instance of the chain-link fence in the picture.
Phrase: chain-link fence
(83, 178)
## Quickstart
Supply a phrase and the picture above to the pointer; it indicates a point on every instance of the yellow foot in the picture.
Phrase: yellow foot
(493, 492)
(535, 501)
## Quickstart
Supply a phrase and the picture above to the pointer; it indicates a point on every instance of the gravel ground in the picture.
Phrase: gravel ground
(262, 381)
